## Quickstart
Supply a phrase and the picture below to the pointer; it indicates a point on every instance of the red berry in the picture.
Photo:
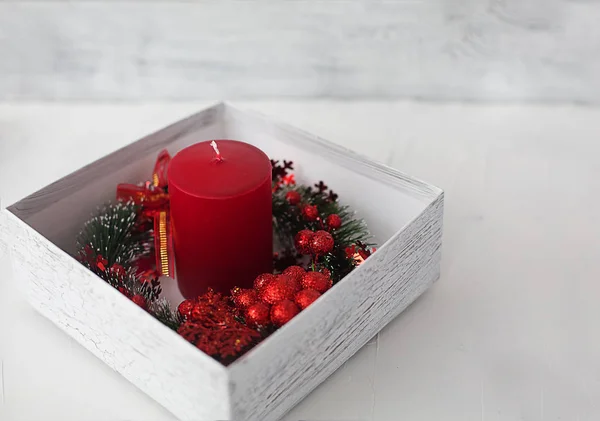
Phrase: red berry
(293, 283)
(185, 308)
(124, 291)
(277, 290)
(303, 241)
(244, 298)
(306, 297)
(262, 280)
(310, 212)
(334, 221)
(294, 272)
(322, 243)
(140, 301)
(316, 281)
(293, 197)
(258, 315)
(283, 311)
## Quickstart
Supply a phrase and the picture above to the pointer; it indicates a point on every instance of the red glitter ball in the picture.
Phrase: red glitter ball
(293, 197)
(303, 241)
(306, 297)
(326, 272)
(334, 221)
(244, 298)
(185, 308)
(283, 311)
(310, 212)
(277, 290)
(140, 301)
(293, 283)
(294, 272)
(322, 243)
(316, 281)
(257, 315)
(262, 280)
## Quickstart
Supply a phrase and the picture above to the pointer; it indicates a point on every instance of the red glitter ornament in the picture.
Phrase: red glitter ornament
(306, 297)
(293, 283)
(303, 241)
(293, 197)
(262, 280)
(294, 272)
(224, 340)
(316, 281)
(185, 308)
(310, 212)
(244, 298)
(211, 305)
(321, 243)
(325, 272)
(140, 301)
(283, 311)
(279, 289)
(214, 328)
(334, 221)
(258, 315)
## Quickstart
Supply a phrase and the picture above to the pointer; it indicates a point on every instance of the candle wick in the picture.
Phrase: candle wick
(216, 148)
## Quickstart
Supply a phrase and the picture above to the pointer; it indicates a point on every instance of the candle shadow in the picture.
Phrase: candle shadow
(171, 291)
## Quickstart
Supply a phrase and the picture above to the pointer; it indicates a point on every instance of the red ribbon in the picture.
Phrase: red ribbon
(153, 198)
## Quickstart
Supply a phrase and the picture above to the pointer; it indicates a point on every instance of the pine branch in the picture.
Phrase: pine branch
(288, 221)
(163, 313)
(112, 233)
(109, 245)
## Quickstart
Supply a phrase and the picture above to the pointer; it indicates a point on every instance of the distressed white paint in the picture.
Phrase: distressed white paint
(534, 50)
(404, 214)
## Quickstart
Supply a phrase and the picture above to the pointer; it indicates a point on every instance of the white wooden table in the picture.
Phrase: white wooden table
(510, 332)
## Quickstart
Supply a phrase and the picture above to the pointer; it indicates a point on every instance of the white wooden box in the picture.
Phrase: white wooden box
(404, 215)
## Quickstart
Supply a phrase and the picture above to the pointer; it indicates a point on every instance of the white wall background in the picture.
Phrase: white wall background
(525, 50)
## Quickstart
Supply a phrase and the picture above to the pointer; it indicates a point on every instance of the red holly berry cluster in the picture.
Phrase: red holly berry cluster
(308, 242)
(317, 243)
(210, 323)
(276, 299)
(141, 290)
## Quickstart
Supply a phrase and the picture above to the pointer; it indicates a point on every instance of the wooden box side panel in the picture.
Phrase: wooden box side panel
(277, 374)
(162, 364)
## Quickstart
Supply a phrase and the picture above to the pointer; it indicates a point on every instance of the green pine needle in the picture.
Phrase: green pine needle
(162, 311)
(288, 221)
(112, 234)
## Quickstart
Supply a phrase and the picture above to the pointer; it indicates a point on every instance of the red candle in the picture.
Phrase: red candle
(221, 216)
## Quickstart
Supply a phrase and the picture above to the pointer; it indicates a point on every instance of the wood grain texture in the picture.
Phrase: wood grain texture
(157, 360)
(283, 369)
(537, 50)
